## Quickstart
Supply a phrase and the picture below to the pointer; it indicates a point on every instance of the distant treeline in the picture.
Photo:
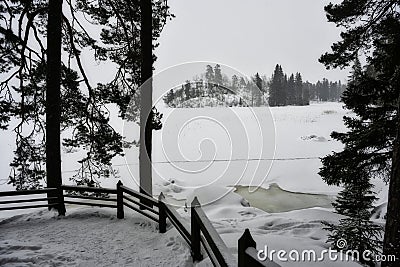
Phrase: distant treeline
(213, 88)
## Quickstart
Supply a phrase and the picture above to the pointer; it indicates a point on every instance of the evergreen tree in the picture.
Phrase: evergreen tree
(283, 91)
(187, 90)
(209, 74)
(78, 107)
(306, 93)
(355, 202)
(291, 93)
(318, 91)
(324, 90)
(298, 89)
(257, 89)
(372, 142)
(277, 92)
(218, 75)
(351, 168)
(258, 81)
(333, 91)
(313, 91)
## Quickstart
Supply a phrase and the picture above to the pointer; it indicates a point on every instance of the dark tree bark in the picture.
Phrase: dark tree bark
(53, 100)
(391, 245)
(146, 93)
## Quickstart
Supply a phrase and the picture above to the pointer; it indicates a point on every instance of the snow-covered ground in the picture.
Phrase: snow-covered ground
(88, 237)
(183, 152)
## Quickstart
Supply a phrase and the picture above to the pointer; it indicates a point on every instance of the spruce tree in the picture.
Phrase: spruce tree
(324, 90)
(306, 93)
(282, 93)
(352, 169)
(355, 202)
(298, 89)
(291, 93)
(372, 142)
(277, 92)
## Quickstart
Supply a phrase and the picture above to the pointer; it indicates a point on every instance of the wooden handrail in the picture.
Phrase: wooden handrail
(141, 212)
(175, 219)
(139, 195)
(201, 230)
(247, 253)
(26, 200)
(142, 205)
(27, 192)
(201, 223)
(90, 204)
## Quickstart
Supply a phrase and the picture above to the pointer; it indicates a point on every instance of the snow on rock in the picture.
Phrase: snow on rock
(315, 138)
(88, 237)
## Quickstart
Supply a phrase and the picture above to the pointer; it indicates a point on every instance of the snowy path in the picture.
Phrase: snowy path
(88, 237)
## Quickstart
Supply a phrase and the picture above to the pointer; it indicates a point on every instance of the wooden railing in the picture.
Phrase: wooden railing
(130, 198)
(200, 232)
(51, 201)
(203, 232)
(248, 254)
(175, 219)
(97, 199)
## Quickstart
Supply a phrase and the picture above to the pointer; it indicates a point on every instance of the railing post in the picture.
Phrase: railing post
(162, 216)
(195, 231)
(244, 242)
(120, 201)
(61, 204)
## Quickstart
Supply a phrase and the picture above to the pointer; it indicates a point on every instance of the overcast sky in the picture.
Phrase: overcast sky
(251, 36)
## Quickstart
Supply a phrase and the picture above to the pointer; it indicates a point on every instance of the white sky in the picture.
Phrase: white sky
(251, 36)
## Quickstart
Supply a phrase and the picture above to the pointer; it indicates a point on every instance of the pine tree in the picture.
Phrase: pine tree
(80, 107)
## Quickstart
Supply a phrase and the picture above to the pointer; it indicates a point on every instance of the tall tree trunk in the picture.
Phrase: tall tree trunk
(53, 101)
(391, 244)
(146, 94)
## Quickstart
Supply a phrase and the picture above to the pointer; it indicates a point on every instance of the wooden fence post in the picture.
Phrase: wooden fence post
(162, 216)
(244, 242)
(61, 204)
(120, 201)
(195, 232)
